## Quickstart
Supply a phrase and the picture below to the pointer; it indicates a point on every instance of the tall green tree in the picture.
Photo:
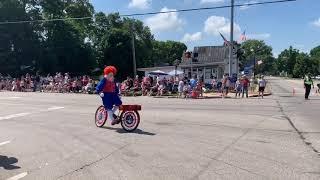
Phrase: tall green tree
(19, 42)
(315, 56)
(304, 65)
(315, 52)
(65, 48)
(257, 50)
(287, 59)
(76, 46)
(167, 51)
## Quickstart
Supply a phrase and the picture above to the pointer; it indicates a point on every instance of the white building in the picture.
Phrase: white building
(206, 62)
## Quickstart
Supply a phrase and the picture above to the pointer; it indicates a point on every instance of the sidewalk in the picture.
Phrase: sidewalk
(232, 95)
(217, 95)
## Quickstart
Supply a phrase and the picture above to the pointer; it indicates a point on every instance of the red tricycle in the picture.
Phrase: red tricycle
(128, 116)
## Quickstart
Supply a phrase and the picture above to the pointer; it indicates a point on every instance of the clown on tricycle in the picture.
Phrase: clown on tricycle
(128, 115)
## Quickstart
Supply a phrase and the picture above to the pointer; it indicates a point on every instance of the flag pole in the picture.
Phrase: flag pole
(231, 39)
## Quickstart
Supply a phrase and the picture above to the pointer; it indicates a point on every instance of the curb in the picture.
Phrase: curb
(207, 97)
(257, 95)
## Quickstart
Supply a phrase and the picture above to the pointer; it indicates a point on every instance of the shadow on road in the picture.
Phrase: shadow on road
(137, 131)
(7, 162)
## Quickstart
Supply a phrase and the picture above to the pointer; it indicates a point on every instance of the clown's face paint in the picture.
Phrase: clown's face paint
(110, 77)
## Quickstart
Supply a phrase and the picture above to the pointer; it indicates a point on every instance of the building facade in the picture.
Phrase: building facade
(207, 62)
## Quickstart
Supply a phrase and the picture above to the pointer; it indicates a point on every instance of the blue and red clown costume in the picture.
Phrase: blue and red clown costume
(109, 92)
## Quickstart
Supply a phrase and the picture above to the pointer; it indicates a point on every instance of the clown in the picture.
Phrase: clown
(109, 93)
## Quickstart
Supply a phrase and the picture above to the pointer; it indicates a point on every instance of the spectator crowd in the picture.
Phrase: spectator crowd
(58, 83)
(194, 87)
(182, 87)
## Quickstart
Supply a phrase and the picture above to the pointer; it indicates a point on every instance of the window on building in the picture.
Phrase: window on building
(208, 73)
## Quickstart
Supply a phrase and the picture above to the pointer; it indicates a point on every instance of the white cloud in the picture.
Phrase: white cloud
(165, 21)
(316, 23)
(245, 7)
(140, 4)
(218, 24)
(261, 36)
(211, 1)
(192, 37)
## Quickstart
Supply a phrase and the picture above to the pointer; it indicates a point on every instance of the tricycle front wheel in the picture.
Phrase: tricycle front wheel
(100, 116)
(130, 120)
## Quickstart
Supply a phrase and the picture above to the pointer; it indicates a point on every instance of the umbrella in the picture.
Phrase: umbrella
(175, 72)
(158, 72)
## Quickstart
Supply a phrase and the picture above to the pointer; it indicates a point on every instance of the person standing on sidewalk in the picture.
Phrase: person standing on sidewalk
(238, 87)
(225, 85)
(262, 85)
(245, 86)
(180, 88)
(307, 85)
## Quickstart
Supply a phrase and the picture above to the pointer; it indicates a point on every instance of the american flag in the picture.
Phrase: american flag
(260, 62)
(226, 42)
(243, 36)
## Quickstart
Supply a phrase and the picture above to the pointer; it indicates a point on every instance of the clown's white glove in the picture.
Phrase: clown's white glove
(101, 94)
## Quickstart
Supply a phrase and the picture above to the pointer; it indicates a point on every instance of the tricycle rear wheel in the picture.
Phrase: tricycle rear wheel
(130, 120)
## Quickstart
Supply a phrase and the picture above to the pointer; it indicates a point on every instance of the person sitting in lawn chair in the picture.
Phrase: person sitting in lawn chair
(161, 88)
(154, 90)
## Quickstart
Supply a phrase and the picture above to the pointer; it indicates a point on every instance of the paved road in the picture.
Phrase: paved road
(52, 136)
(304, 115)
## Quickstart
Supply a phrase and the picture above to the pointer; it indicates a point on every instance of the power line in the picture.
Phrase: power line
(44, 20)
(208, 8)
(150, 13)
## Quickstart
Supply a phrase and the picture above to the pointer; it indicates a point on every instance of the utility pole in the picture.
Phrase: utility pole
(191, 67)
(133, 50)
(231, 39)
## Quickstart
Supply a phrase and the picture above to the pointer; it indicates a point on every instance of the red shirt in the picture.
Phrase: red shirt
(245, 82)
(109, 87)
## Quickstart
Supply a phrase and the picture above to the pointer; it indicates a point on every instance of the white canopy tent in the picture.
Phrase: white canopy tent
(175, 72)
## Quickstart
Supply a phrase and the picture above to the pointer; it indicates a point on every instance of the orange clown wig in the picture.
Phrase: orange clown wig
(110, 69)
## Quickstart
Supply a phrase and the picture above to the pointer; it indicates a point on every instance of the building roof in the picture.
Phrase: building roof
(208, 54)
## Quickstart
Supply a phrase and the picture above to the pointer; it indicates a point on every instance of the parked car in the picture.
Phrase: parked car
(317, 77)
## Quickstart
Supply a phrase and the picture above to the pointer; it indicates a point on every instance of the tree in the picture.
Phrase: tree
(287, 60)
(112, 37)
(268, 66)
(167, 51)
(315, 56)
(75, 46)
(315, 52)
(304, 65)
(64, 47)
(19, 42)
(254, 51)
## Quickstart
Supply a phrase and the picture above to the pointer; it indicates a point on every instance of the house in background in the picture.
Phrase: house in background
(205, 62)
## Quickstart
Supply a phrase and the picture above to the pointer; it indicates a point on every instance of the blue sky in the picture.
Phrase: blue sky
(280, 25)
